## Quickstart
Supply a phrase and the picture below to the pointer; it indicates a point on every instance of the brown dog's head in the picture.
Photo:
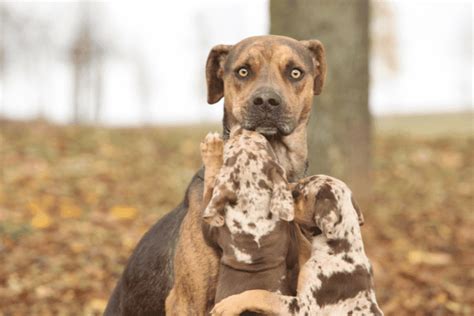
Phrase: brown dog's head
(327, 204)
(267, 82)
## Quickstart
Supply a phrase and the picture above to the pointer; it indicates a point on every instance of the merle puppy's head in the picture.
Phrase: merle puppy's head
(325, 204)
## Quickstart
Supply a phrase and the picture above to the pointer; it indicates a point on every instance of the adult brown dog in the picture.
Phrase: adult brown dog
(268, 83)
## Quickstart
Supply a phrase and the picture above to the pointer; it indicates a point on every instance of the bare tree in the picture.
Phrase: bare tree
(81, 56)
(142, 77)
(3, 18)
(383, 44)
(340, 129)
(87, 57)
(203, 31)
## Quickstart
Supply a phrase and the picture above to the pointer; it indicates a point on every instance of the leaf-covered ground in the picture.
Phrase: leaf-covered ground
(74, 201)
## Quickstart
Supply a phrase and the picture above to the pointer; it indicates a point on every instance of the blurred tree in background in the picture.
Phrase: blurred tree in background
(87, 54)
(340, 128)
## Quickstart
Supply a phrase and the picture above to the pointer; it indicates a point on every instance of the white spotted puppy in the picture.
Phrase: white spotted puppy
(247, 217)
(337, 279)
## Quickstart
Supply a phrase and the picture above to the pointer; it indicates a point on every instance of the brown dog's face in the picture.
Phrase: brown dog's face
(268, 82)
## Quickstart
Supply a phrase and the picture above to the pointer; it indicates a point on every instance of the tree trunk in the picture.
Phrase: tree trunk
(340, 127)
(76, 95)
(98, 82)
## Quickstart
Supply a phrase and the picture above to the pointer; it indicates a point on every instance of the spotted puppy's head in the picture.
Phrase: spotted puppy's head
(251, 151)
(325, 204)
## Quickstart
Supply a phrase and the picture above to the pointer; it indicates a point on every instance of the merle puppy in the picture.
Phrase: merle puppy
(247, 217)
(337, 280)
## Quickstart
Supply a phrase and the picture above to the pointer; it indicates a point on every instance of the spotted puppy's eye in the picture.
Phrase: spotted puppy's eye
(295, 194)
(297, 191)
(243, 72)
(296, 73)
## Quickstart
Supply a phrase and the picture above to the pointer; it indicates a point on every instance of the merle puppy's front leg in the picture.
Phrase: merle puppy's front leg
(259, 301)
(211, 152)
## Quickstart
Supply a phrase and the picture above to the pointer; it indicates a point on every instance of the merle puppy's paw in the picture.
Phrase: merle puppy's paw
(212, 150)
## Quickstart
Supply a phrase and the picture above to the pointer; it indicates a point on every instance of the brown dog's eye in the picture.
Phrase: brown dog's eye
(296, 73)
(243, 72)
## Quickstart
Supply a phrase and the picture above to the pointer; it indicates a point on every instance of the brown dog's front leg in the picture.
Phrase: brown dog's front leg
(195, 262)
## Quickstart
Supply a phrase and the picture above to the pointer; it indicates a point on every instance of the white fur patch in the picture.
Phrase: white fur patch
(241, 256)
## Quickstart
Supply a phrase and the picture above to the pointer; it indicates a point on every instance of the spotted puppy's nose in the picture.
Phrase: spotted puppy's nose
(267, 99)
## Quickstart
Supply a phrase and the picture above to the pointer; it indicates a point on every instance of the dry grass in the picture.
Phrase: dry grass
(75, 200)
(427, 125)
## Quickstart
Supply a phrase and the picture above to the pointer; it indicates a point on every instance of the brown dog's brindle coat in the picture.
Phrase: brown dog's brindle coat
(268, 83)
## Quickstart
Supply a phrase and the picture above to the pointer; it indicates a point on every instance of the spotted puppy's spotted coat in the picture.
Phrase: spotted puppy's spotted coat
(337, 279)
(247, 218)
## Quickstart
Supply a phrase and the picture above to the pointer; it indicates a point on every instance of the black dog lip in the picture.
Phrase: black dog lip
(268, 128)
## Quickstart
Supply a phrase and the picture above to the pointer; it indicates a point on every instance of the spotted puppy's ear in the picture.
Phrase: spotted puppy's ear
(215, 72)
(281, 203)
(236, 130)
(360, 216)
(319, 59)
(215, 210)
(327, 212)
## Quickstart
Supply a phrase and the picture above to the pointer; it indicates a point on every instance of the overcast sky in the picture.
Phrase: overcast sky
(155, 69)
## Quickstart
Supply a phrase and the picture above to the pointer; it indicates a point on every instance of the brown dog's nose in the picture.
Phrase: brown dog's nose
(267, 97)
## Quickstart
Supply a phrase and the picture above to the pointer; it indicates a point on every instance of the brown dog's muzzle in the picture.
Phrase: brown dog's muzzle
(266, 99)
(265, 113)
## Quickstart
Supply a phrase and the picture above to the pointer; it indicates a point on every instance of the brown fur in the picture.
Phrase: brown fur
(195, 276)
(195, 268)
(270, 58)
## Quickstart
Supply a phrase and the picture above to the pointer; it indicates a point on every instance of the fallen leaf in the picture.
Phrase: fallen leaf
(124, 212)
(429, 258)
(69, 210)
(41, 220)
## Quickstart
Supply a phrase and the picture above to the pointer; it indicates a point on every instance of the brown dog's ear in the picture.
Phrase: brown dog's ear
(215, 72)
(360, 216)
(319, 60)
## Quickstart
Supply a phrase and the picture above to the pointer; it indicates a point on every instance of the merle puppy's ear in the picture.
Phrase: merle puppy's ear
(319, 59)
(281, 202)
(215, 210)
(327, 212)
(360, 216)
(236, 130)
(215, 72)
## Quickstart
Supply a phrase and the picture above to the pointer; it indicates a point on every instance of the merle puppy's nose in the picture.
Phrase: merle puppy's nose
(266, 97)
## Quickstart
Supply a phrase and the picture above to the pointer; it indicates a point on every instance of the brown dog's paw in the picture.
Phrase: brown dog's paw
(212, 149)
